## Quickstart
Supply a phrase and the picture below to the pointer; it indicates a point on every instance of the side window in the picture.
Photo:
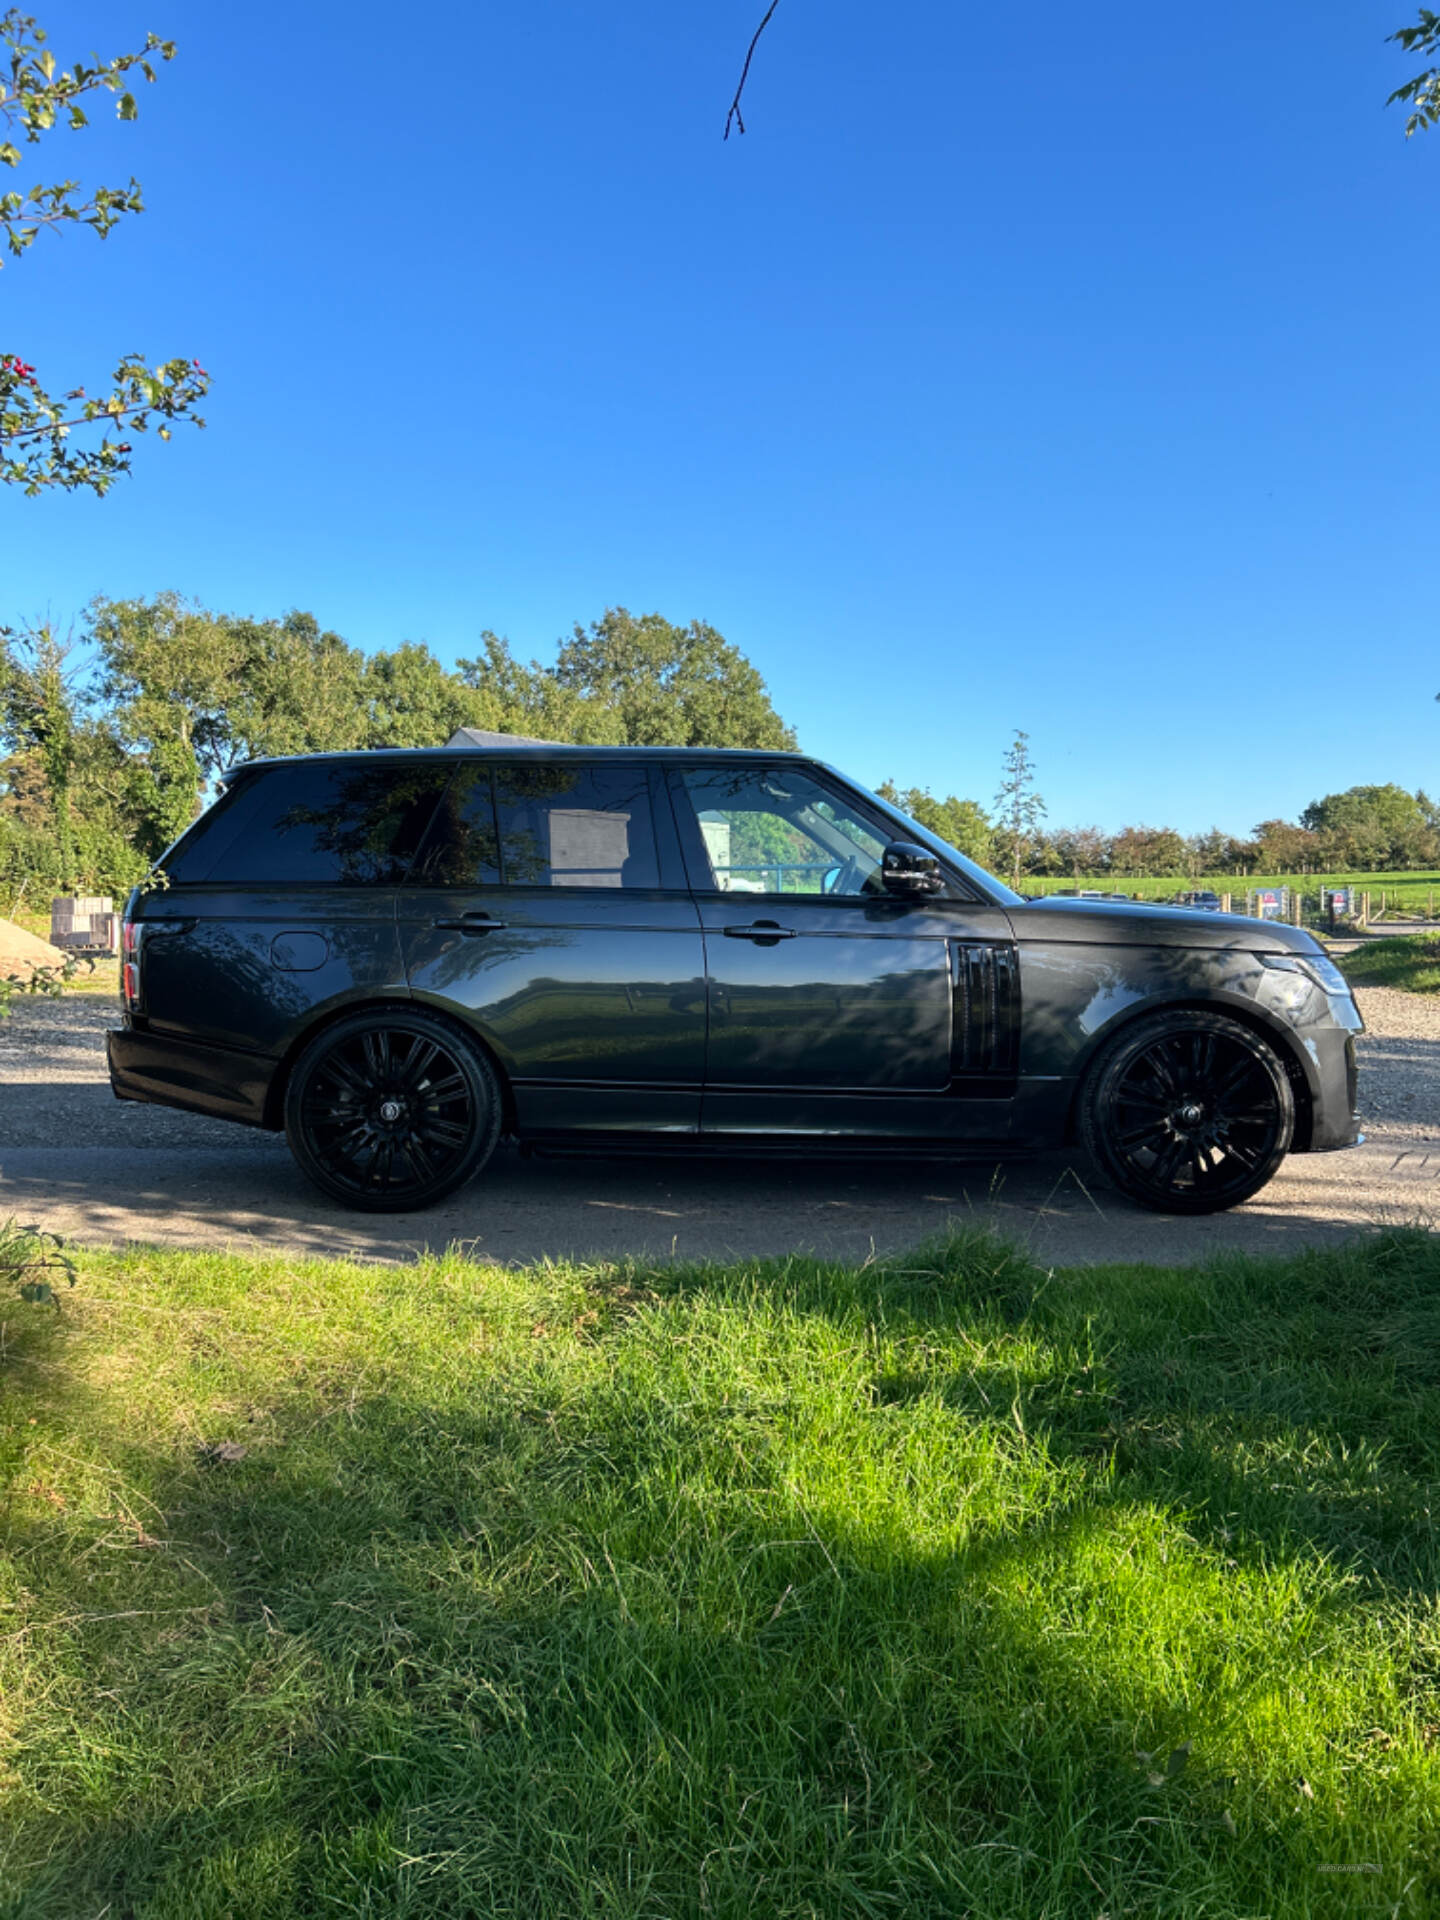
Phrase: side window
(776, 830)
(196, 851)
(576, 826)
(336, 824)
(462, 848)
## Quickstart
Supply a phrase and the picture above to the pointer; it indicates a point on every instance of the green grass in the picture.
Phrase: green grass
(1412, 963)
(781, 1590)
(1411, 892)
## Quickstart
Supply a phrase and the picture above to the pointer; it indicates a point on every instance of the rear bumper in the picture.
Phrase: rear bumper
(187, 1074)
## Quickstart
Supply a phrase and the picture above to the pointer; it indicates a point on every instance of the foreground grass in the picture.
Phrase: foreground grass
(933, 1588)
(1412, 963)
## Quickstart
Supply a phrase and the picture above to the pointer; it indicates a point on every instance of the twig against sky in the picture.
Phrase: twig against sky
(734, 114)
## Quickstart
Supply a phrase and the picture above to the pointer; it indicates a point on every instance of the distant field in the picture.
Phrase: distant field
(1412, 892)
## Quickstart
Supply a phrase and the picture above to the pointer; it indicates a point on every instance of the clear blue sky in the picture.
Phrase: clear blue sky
(1069, 369)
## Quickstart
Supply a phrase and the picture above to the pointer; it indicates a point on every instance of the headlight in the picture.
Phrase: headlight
(1326, 975)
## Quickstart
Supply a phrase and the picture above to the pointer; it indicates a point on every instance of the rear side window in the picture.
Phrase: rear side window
(575, 826)
(193, 854)
(543, 826)
(341, 824)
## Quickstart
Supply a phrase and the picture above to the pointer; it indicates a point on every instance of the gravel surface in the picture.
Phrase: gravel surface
(105, 1171)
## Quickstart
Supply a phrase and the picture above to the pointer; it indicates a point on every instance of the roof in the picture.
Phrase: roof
(512, 746)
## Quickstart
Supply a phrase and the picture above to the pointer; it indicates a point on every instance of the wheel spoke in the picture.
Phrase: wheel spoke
(1152, 1130)
(1132, 1097)
(339, 1070)
(376, 1047)
(417, 1063)
(1168, 1164)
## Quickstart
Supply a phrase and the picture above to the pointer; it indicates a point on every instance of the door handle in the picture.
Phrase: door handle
(761, 930)
(472, 923)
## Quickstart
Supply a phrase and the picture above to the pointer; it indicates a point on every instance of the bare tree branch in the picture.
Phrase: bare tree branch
(734, 113)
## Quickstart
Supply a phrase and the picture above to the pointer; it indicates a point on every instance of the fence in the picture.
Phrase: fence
(1322, 907)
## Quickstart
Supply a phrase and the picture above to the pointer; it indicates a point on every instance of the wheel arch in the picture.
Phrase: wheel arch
(389, 1003)
(1245, 1014)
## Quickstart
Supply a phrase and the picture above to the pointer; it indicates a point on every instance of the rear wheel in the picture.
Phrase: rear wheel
(389, 1111)
(1188, 1112)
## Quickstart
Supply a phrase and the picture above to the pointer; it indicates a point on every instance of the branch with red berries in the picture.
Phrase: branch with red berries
(37, 450)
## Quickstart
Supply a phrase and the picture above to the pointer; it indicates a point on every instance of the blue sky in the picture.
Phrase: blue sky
(1050, 368)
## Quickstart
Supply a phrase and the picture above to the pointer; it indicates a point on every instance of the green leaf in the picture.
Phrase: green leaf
(128, 109)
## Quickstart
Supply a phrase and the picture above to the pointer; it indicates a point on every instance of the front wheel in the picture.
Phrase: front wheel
(391, 1110)
(1188, 1112)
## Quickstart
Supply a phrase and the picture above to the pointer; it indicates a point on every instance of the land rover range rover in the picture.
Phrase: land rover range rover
(399, 957)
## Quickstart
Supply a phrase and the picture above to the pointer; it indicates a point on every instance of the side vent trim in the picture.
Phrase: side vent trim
(985, 982)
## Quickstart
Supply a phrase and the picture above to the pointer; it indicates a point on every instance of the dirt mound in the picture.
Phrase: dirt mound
(22, 952)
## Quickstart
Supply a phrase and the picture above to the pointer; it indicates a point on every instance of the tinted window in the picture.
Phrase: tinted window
(462, 848)
(776, 830)
(346, 824)
(193, 854)
(576, 826)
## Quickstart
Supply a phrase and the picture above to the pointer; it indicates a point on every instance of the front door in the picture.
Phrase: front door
(547, 912)
(836, 1007)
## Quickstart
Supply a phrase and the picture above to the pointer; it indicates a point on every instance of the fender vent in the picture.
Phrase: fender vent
(986, 986)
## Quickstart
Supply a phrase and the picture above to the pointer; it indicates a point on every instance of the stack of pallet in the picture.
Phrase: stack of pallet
(84, 923)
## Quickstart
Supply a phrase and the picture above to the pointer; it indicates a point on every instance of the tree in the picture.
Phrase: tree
(1372, 826)
(412, 701)
(671, 686)
(1282, 847)
(1421, 93)
(1153, 852)
(38, 719)
(528, 699)
(36, 428)
(1018, 809)
(1077, 851)
(962, 824)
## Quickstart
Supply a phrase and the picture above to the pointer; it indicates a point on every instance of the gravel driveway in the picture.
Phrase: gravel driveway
(74, 1159)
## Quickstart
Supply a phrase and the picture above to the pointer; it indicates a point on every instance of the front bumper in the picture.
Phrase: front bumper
(1334, 1077)
(167, 1072)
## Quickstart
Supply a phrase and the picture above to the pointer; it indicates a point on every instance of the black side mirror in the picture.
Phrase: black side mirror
(906, 868)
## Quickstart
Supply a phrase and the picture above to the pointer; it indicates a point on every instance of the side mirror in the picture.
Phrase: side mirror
(906, 868)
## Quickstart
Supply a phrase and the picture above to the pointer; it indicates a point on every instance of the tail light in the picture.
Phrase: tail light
(130, 965)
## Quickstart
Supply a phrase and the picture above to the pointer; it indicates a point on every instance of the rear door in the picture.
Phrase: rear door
(549, 909)
(283, 902)
(834, 1006)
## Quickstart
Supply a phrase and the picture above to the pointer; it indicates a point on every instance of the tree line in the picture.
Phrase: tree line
(112, 738)
(1365, 829)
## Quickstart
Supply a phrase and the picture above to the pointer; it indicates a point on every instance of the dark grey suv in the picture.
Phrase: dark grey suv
(399, 957)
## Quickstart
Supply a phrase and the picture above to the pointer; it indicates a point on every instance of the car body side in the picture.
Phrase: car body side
(238, 980)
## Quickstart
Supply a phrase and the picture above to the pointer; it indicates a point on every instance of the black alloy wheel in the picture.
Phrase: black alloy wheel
(1188, 1112)
(391, 1110)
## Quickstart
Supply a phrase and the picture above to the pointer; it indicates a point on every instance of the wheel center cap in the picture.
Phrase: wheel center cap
(391, 1111)
(1191, 1114)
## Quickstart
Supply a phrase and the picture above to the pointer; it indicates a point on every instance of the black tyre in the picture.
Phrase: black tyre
(390, 1110)
(1188, 1112)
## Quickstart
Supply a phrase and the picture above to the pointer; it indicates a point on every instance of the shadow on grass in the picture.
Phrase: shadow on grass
(786, 1591)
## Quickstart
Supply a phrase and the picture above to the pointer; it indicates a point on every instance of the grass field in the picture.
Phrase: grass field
(1412, 964)
(938, 1587)
(1411, 892)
